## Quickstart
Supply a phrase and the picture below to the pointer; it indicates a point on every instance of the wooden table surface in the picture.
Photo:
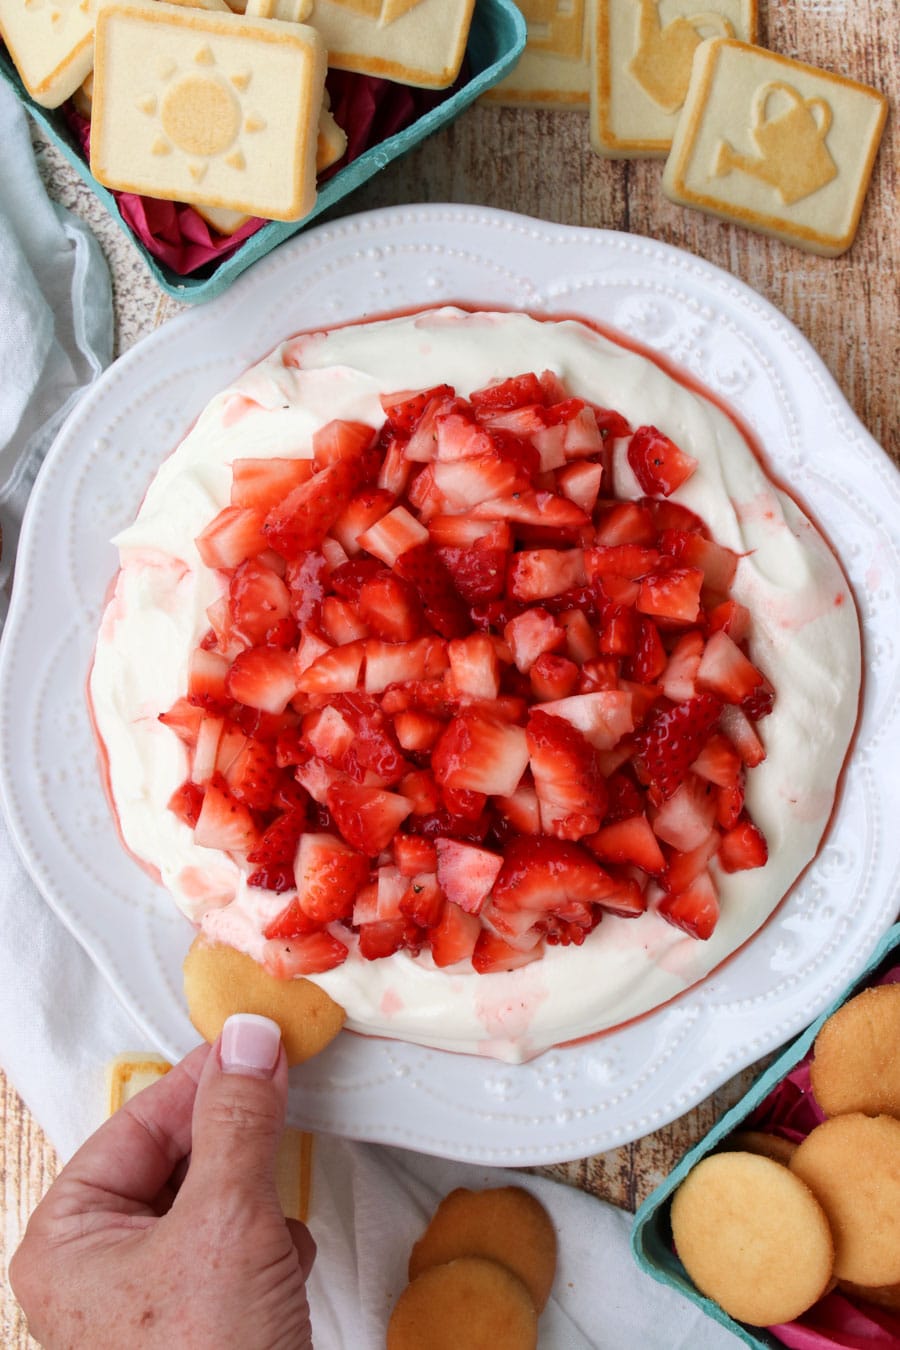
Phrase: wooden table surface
(540, 163)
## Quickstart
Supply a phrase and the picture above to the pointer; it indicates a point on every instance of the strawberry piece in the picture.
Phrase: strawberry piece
(737, 726)
(474, 668)
(395, 533)
(718, 762)
(531, 634)
(292, 922)
(258, 598)
(186, 802)
(340, 621)
(679, 679)
(364, 510)
(279, 840)
(567, 778)
(726, 671)
(510, 393)
(580, 482)
(329, 873)
(263, 677)
(391, 608)
(672, 739)
(673, 595)
(480, 754)
(234, 534)
(301, 521)
(253, 775)
(732, 618)
(303, 954)
(729, 805)
(541, 875)
(421, 789)
(492, 954)
(461, 532)
(626, 523)
(375, 748)
(522, 810)
(466, 873)
(422, 567)
(306, 577)
(648, 661)
(413, 855)
(422, 901)
(624, 796)
(553, 677)
(348, 579)
(184, 719)
(224, 823)
(581, 640)
(262, 483)
(338, 440)
(685, 819)
(335, 671)
(545, 509)
(683, 868)
(657, 463)
(404, 411)
(602, 717)
(384, 937)
(367, 817)
(417, 731)
(717, 563)
(538, 574)
(743, 847)
(760, 701)
(278, 877)
(458, 436)
(694, 910)
(208, 680)
(454, 936)
(395, 470)
(628, 841)
(478, 574)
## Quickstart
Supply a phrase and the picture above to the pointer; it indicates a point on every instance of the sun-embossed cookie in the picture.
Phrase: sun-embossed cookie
(641, 53)
(753, 1237)
(207, 107)
(219, 981)
(466, 1304)
(851, 1163)
(505, 1224)
(856, 1065)
(776, 145)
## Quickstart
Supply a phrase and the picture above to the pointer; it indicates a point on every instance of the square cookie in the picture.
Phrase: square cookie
(207, 107)
(554, 69)
(51, 43)
(418, 42)
(641, 54)
(776, 145)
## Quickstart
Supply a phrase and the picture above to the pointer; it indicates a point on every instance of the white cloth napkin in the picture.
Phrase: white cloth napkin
(60, 1023)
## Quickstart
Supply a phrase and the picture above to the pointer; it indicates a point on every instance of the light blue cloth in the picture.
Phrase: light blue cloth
(60, 1024)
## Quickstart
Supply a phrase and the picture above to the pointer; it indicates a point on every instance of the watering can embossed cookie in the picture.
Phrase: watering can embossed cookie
(642, 52)
(774, 144)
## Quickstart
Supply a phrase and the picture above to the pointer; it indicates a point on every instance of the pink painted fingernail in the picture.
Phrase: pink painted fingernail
(250, 1045)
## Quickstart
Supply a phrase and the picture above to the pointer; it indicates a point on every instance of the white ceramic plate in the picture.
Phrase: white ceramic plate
(569, 1102)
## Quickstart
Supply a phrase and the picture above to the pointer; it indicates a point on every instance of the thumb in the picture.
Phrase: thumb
(239, 1109)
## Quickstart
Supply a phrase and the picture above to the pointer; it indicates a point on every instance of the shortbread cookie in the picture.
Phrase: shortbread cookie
(856, 1065)
(851, 1164)
(291, 11)
(129, 1074)
(776, 145)
(641, 54)
(219, 981)
(467, 1304)
(752, 1237)
(51, 45)
(554, 69)
(207, 107)
(418, 42)
(505, 1224)
(767, 1145)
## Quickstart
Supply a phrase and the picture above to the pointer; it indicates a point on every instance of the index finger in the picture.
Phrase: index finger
(126, 1162)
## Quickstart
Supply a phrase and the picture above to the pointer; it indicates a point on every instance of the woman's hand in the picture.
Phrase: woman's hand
(165, 1228)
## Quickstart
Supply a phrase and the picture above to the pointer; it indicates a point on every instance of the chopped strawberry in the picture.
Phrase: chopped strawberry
(363, 510)
(421, 789)
(253, 775)
(760, 701)
(466, 873)
(461, 532)
(278, 877)
(737, 726)
(184, 719)
(580, 482)
(186, 802)
(384, 937)
(522, 810)
(224, 822)
(626, 523)
(279, 840)
(413, 854)
(307, 513)
(743, 847)
(208, 680)
(303, 954)
(732, 618)
(393, 534)
(423, 901)
(725, 670)
(262, 483)
(454, 936)
(685, 819)
(682, 868)
(602, 717)
(404, 411)
(673, 595)
(510, 393)
(478, 574)
(422, 567)
(531, 634)
(263, 677)
(694, 910)
(567, 778)
(540, 573)
(389, 606)
(236, 533)
(718, 762)
(367, 817)
(258, 598)
(492, 954)
(389, 663)
(474, 667)
(336, 671)
(628, 841)
(679, 679)
(329, 873)
(672, 739)
(541, 874)
(717, 563)
(648, 661)
(417, 731)
(533, 508)
(338, 440)
(479, 754)
(581, 640)
(341, 622)
(553, 677)
(658, 464)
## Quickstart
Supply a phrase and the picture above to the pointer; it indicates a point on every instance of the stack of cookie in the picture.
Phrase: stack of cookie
(748, 135)
(767, 1227)
(197, 103)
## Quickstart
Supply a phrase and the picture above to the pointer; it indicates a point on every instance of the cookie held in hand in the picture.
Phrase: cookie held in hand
(219, 981)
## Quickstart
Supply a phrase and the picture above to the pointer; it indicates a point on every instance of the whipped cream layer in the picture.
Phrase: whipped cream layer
(805, 638)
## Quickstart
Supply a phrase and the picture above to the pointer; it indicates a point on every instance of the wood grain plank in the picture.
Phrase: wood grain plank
(28, 1164)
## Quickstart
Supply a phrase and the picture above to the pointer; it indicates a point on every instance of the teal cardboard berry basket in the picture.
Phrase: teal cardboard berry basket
(651, 1240)
(496, 40)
